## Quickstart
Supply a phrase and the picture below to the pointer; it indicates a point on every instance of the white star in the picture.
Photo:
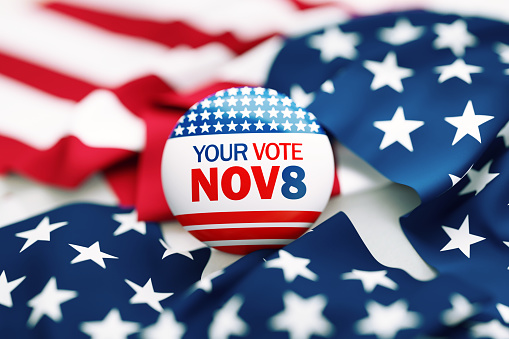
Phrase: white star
(245, 90)
(311, 116)
(458, 69)
(386, 321)
(233, 91)
(328, 87)
(128, 222)
(259, 125)
(398, 129)
(292, 266)
(287, 125)
(302, 318)
(273, 125)
(93, 252)
(468, 123)
(503, 51)
(169, 251)
(220, 93)
(205, 115)
(205, 127)
(191, 128)
(493, 329)
(226, 321)
(286, 101)
(232, 101)
(370, 279)
(273, 100)
(6, 287)
(166, 327)
(479, 179)
(313, 127)
(503, 309)
(219, 102)
(287, 113)
(218, 114)
(40, 233)
(504, 133)
(402, 32)
(300, 113)
(179, 130)
(335, 43)
(259, 113)
(259, 90)
(300, 97)
(245, 113)
(206, 103)
(231, 126)
(272, 92)
(461, 238)
(259, 100)
(387, 73)
(245, 101)
(192, 116)
(205, 283)
(461, 310)
(181, 119)
(48, 302)
(300, 126)
(454, 36)
(245, 125)
(272, 113)
(218, 127)
(111, 327)
(146, 295)
(231, 114)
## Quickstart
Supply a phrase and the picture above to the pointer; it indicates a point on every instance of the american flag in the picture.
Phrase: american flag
(91, 90)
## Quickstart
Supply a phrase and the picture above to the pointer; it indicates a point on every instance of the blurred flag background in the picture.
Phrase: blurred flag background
(412, 244)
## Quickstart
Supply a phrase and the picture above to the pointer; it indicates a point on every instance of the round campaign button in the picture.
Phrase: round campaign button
(246, 169)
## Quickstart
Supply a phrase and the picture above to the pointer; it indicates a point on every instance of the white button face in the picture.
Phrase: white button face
(246, 169)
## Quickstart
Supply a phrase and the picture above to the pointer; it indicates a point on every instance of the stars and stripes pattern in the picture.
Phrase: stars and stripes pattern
(91, 88)
(432, 112)
(420, 96)
(246, 110)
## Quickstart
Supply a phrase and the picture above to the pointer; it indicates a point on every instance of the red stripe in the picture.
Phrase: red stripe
(44, 79)
(246, 249)
(170, 34)
(247, 217)
(249, 233)
(66, 164)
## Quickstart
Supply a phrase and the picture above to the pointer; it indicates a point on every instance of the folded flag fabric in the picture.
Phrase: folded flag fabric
(65, 271)
(463, 233)
(63, 279)
(418, 95)
(93, 88)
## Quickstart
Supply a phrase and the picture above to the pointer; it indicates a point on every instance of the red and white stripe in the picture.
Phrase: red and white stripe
(92, 86)
(242, 232)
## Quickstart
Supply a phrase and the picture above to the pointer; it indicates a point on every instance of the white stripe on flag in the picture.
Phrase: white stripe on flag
(247, 19)
(98, 56)
(40, 120)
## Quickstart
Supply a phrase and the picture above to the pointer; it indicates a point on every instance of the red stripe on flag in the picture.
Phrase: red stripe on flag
(66, 164)
(249, 233)
(44, 79)
(247, 217)
(170, 34)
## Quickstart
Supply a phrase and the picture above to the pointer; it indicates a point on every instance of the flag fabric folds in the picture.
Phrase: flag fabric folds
(91, 87)
(420, 96)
